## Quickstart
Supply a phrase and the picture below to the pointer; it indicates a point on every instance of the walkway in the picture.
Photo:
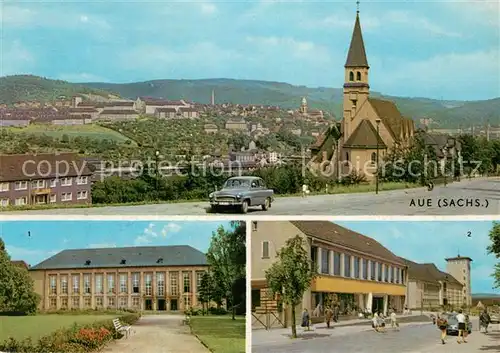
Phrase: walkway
(158, 334)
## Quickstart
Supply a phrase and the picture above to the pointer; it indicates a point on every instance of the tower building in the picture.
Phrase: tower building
(459, 267)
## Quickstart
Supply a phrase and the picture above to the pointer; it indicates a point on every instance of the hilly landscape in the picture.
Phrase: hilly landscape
(446, 114)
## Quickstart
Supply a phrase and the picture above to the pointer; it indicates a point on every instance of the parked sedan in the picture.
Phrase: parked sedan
(495, 318)
(242, 192)
(452, 328)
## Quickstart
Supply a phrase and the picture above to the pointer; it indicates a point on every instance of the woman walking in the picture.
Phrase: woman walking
(306, 320)
(442, 324)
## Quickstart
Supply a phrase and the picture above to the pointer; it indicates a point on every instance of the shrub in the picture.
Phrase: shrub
(217, 311)
(92, 338)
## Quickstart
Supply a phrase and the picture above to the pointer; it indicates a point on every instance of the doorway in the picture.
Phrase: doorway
(162, 305)
(173, 305)
(378, 305)
(148, 304)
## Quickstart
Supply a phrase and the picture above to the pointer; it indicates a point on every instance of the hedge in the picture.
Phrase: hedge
(77, 339)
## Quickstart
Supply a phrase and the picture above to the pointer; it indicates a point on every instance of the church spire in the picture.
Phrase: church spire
(357, 54)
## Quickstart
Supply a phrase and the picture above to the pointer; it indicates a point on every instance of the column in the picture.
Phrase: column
(153, 291)
(167, 290)
(58, 291)
(194, 289)
(342, 262)
(361, 301)
(330, 262)
(376, 270)
(353, 259)
(369, 274)
(81, 290)
(92, 290)
(180, 285)
(369, 302)
(386, 300)
(318, 257)
(129, 288)
(142, 290)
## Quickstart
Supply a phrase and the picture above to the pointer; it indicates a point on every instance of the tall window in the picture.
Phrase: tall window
(374, 157)
(149, 283)
(393, 274)
(53, 284)
(336, 264)
(111, 283)
(386, 279)
(75, 302)
(111, 302)
(265, 250)
(64, 284)
(123, 283)
(98, 284)
(403, 277)
(86, 284)
(379, 265)
(186, 282)
(365, 269)
(324, 261)
(347, 265)
(76, 284)
(199, 276)
(356, 267)
(174, 286)
(351, 76)
(135, 283)
(358, 76)
(160, 283)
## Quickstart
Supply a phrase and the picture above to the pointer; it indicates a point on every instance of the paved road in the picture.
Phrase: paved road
(158, 334)
(411, 338)
(483, 194)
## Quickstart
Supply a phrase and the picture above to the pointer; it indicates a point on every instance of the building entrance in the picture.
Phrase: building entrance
(173, 305)
(162, 305)
(377, 305)
(148, 304)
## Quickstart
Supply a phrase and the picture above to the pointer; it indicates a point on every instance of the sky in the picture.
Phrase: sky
(442, 49)
(47, 238)
(432, 242)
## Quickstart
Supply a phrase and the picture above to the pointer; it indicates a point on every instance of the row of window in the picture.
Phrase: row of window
(122, 285)
(39, 199)
(360, 268)
(40, 184)
(100, 302)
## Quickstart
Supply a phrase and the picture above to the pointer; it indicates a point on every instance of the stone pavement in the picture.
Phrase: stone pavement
(158, 334)
(395, 202)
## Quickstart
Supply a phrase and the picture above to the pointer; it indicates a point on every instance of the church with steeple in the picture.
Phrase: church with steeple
(367, 124)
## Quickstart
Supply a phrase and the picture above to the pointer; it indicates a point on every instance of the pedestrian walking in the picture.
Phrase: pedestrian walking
(306, 320)
(336, 312)
(462, 330)
(328, 316)
(375, 322)
(394, 321)
(484, 320)
(304, 190)
(442, 324)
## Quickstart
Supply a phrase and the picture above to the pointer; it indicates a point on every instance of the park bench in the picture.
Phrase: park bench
(120, 328)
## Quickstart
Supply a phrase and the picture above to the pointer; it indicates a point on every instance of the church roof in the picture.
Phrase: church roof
(365, 136)
(390, 116)
(356, 56)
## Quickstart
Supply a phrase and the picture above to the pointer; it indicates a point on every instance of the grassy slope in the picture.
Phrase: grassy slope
(92, 131)
(21, 327)
(220, 333)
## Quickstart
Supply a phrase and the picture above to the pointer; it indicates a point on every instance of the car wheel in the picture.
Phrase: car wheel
(214, 209)
(244, 206)
(267, 204)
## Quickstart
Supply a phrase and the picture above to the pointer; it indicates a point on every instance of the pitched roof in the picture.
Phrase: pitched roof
(356, 57)
(365, 136)
(143, 256)
(390, 116)
(20, 167)
(333, 233)
(428, 272)
(118, 112)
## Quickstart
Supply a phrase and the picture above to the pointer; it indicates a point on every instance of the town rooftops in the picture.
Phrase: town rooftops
(118, 111)
(144, 256)
(428, 272)
(23, 167)
(333, 233)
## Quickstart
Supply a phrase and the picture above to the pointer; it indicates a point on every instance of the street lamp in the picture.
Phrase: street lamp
(378, 136)
(157, 157)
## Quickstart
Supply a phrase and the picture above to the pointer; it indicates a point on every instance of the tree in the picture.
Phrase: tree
(205, 291)
(17, 292)
(227, 260)
(291, 275)
(494, 248)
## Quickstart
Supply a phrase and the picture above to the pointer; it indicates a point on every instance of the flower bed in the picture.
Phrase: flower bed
(77, 339)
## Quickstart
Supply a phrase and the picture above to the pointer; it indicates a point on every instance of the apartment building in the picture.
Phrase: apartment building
(159, 278)
(44, 179)
(358, 270)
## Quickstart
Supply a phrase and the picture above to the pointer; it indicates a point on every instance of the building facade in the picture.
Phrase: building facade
(162, 278)
(430, 288)
(44, 179)
(361, 273)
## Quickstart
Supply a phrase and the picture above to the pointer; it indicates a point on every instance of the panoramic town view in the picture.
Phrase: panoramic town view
(122, 286)
(335, 125)
(374, 286)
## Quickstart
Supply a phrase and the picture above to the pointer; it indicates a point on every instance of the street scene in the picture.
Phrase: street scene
(358, 286)
(468, 197)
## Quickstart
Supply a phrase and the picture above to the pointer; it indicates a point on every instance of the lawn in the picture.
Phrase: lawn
(89, 130)
(37, 326)
(220, 334)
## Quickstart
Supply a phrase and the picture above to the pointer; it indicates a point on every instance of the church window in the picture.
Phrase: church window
(358, 76)
(347, 156)
(374, 157)
(351, 76)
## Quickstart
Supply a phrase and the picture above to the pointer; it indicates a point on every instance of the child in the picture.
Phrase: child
(442, 324)
(394, 322)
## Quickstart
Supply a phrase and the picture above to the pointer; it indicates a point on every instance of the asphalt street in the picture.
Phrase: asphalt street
(467, 197)
(411, 338)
